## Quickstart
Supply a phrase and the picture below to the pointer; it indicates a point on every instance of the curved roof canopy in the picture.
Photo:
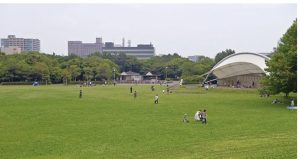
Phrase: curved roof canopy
(240, 64)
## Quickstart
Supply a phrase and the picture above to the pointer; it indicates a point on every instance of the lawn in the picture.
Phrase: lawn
(51, 122)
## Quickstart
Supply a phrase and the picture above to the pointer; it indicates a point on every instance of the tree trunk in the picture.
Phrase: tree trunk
(286, 95)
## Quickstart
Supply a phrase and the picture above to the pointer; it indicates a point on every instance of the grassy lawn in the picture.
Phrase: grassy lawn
(52, 122)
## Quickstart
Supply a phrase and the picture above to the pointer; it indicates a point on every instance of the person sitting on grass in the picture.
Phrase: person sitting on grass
(197, 116)
(204, 117)
(292, 103)
(201, 115)
(185, 118)
(275, 101)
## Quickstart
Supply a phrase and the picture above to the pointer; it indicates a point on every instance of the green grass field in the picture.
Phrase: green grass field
(52, 122)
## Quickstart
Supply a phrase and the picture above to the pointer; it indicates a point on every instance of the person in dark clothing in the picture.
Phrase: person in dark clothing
(204, 117)
(131, 89)
(80, 93)
(152, 88)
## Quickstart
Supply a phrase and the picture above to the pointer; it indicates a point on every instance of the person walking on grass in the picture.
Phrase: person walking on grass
(134, 94)
(131, 89)
(80, 93)
(156, 99)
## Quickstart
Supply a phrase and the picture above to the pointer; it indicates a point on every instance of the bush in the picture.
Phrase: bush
(81, 82)
(23, 83)
(192, 79)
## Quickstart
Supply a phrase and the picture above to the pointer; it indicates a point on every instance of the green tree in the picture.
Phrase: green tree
(56, 74)
(88, 73)
(75, 71)
(66, 76)
(40, 71)
(282, 67)
(223, 54)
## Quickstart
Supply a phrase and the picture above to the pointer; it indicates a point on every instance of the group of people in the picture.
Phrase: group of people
(200, 116)
(134, 94)
(276, 101)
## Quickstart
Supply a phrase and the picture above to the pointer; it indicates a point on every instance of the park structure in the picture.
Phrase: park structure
(239, 70)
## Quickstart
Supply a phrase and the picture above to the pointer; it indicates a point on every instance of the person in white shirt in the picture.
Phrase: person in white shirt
(156, 99)
(292, 102)
(197, 116)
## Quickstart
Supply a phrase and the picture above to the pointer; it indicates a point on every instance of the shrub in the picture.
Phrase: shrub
(22, 83)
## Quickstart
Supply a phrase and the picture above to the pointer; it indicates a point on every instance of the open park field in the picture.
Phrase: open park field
(51, 122)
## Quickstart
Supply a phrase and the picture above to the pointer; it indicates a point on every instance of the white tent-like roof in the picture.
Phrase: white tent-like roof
(149, 74)
(123, 74)
(240, 64)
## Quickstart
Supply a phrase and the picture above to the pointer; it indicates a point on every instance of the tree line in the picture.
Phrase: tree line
(34, 66)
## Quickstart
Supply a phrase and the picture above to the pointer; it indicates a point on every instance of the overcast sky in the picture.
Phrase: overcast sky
(188, 29)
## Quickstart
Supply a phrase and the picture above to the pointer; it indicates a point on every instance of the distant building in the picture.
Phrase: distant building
(131, 76)
(194, 58)
(23, 43)
(84, 49)
(142, 51)
(11, 50)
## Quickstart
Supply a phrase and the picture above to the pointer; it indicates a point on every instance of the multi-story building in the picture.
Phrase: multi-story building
(141, 51)
(25, 44)
(84, 49)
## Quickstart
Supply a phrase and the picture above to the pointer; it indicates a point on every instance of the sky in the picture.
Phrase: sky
(186, 29)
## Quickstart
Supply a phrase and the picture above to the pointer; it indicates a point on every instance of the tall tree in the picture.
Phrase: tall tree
(282, 67)
(223, 54)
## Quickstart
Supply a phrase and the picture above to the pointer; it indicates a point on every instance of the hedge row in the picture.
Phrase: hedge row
(22, 83)
(82, 82)
(44, 83)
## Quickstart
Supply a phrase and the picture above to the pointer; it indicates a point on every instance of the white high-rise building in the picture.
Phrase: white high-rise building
(25, 44)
